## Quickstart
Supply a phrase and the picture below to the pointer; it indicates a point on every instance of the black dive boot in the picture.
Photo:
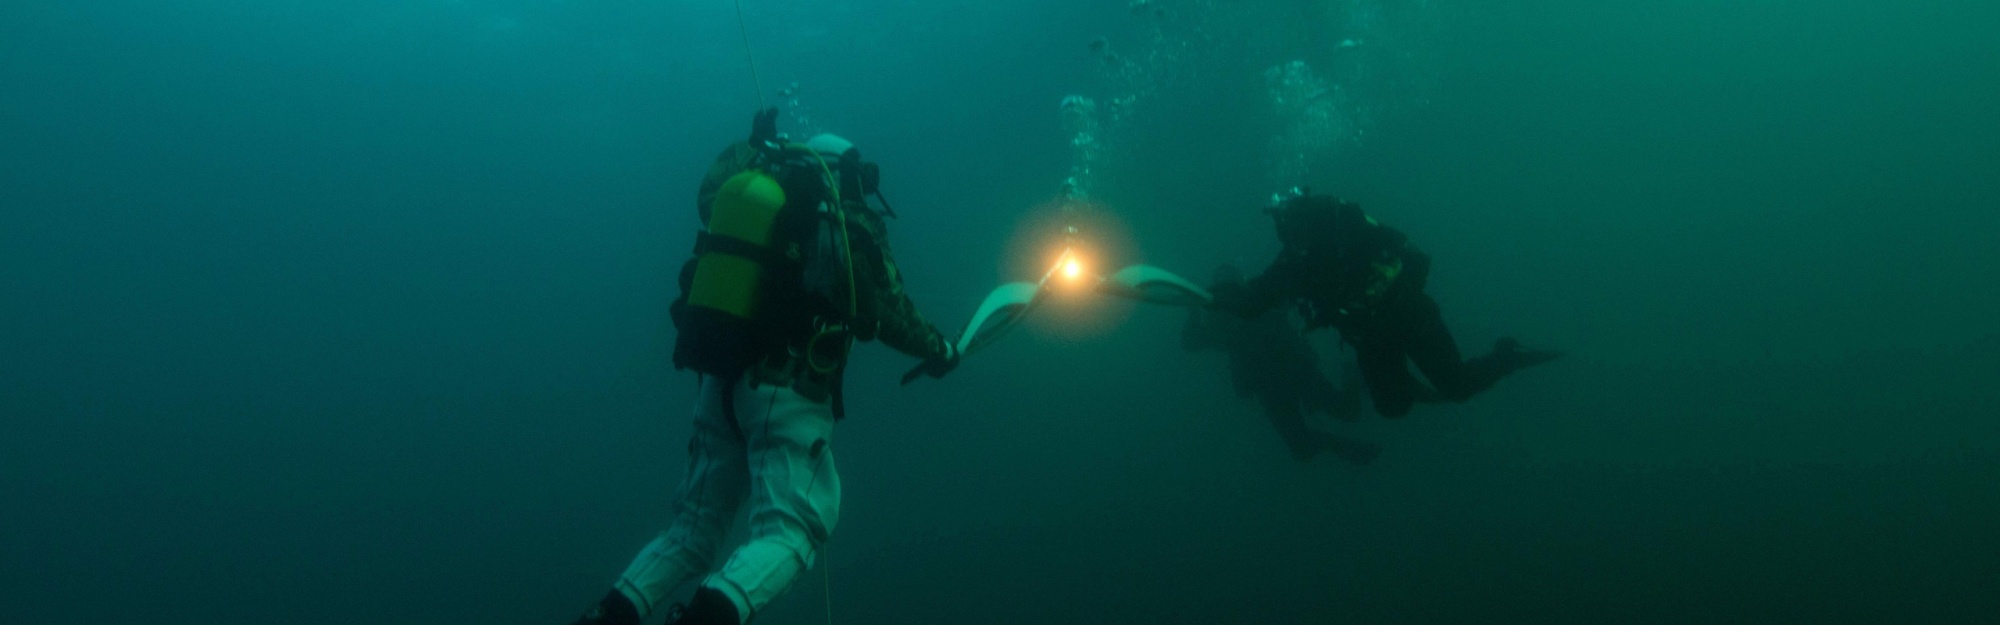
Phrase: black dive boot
(1514, 356)
(708, 607)
(613, 609)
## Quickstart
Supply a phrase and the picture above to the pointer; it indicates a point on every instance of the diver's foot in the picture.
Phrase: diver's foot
(708, 607)
(1517, 356)
(1354, 452)
(613, 609)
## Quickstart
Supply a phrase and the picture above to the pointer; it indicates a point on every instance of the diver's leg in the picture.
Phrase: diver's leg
(1436, 354)
(1342, 401)
(1305, 442)
(1390, 384)
(717, 480)
(794, 498)
(1290, 422)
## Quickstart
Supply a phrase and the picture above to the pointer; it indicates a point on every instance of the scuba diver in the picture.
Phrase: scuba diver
(792, 267)
(1346, 271)
(1270, 360)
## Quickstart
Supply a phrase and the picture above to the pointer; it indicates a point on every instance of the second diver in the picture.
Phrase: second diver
(1271, 361)
(1346, 271)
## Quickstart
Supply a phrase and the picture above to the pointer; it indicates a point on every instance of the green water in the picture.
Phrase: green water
(317, 312)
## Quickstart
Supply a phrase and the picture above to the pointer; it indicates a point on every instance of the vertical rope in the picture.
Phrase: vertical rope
(826, 583)
(744, 28)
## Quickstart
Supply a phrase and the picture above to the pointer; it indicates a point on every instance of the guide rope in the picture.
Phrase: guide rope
(744, 28)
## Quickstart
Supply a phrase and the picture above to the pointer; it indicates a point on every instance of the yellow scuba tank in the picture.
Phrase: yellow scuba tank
(749, 293)
(729, 270)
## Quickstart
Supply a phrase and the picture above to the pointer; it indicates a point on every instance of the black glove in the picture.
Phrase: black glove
(944, 363)
(764, 127)
(1229, 297)
(936, 366)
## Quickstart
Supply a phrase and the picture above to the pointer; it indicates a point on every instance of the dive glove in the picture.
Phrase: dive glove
(936, 366)
(1231, 297)
(941, 364)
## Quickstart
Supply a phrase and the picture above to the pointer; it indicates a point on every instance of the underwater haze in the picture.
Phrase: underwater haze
(356, 312)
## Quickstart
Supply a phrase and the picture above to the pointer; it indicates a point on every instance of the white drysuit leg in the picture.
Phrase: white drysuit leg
(717, 480)
(794, 495)
(778, 452)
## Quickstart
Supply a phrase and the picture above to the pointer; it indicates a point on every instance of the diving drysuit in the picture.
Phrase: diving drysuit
(1346, 271)
(1271, 361)
(793, 265)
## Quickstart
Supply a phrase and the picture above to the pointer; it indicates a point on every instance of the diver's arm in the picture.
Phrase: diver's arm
(1278, 282)
(886, 311)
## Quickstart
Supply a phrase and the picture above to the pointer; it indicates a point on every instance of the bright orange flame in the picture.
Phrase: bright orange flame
(1072, 269)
